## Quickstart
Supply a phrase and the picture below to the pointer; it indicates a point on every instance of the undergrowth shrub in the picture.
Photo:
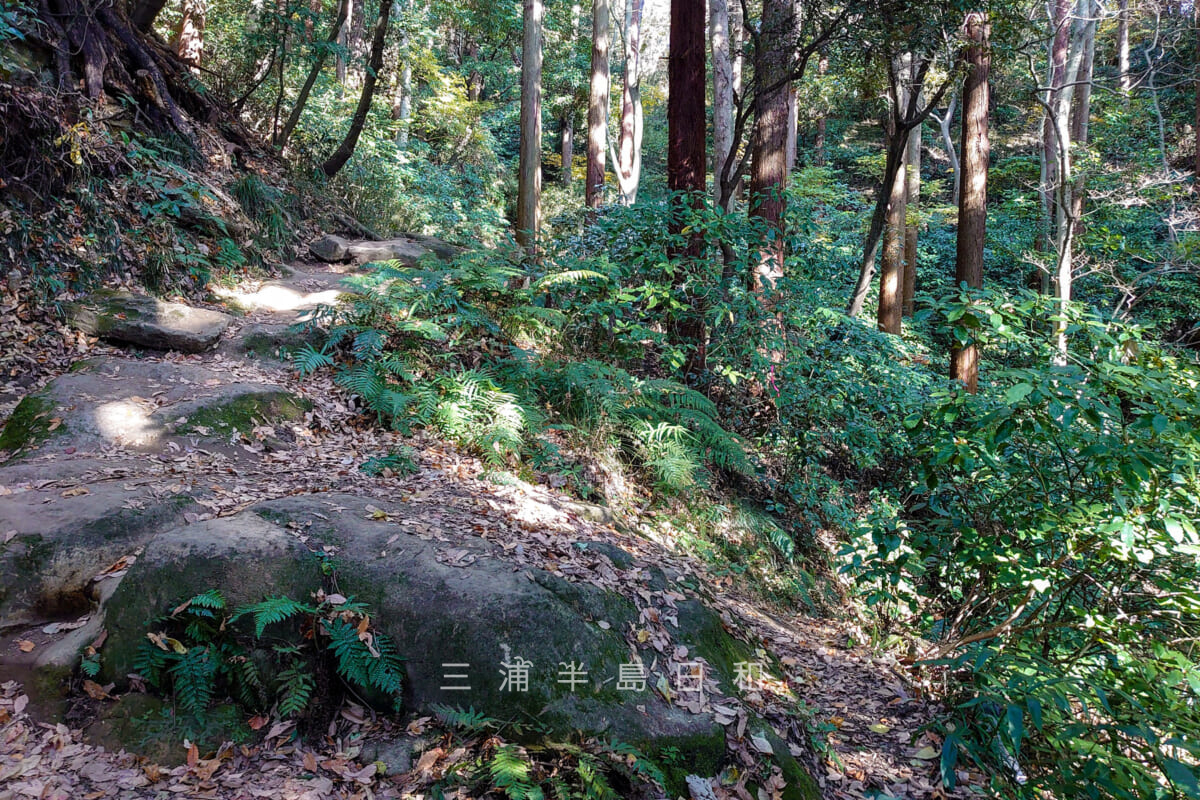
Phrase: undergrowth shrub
(1044, 536)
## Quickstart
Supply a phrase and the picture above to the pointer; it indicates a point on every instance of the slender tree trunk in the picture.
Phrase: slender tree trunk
(972, 207)
(1123, 80)
(529, 191)
(1061, 29)
(402, 105)
(598, 104)
(822, 115)
(344, 41)
(768, 171)
(891, 264)
(628, 159)
(912, 192)
(945, 123)
(313, 73)
(793, 124)
(722, 66)
(1081, 107)
(189, 33)
(866, 272)
(567, 150)
(1196, 85)
(346, 149)
(685, 155)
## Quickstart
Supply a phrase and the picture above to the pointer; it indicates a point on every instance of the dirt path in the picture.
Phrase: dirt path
(856, 701)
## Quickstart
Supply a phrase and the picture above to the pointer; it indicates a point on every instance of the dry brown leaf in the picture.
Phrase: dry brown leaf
(25, 646)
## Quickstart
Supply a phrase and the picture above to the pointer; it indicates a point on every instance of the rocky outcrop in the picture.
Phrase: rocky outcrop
(408, 249)
(147, 322)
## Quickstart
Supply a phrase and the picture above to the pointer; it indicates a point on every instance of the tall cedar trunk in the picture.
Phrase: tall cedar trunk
(346, 149)
(402, 99)
(768, 171)
(628, 158)
(722, 114)
(598, 100)
(189, 33)
(972, 206)
(1123, 79)
(686, 133)
(1061, 28)
(891, 263)
(344, 40)
(912, 191)
(567, 150)
(529, 184)
(822, 115)
(313, 73)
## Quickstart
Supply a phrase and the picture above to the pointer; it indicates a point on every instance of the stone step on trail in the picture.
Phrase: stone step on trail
(145, 321)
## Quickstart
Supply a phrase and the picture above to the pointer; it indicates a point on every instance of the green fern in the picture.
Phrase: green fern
(307, 360)
(294, 688)
(359, 666)
(470, 720)
(193, 679)
(271, 611)
(509, 770)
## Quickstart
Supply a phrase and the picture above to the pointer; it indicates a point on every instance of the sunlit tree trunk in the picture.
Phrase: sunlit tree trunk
(768, 171)
(946, 122)
(340, 156)
(189, 33)
(793, 123)
(529, 189)
(344, 41)
(722, 68)
(912, 192)
(972, 206)
(1081, 107)
(891, 263)
(627, 160)
(402, 104)
(567, 146)
(686, 135)
(598, 105)
(1060, 27)
(1123, 79)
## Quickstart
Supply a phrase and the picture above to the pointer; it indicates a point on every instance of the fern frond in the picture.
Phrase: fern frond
(307, 360)
(271, 611)
(193, 677)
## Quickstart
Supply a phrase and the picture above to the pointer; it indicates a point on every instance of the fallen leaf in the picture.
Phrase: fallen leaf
(95, 690)
(25, 646)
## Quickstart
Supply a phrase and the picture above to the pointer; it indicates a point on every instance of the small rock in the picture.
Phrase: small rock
(330, 248)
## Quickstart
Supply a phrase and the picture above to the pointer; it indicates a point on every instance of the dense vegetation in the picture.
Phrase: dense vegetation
(1000, 470)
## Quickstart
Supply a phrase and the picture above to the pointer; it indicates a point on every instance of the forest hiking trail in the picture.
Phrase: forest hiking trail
(136, 478)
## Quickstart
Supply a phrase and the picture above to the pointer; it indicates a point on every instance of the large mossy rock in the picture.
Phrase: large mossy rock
(140, 405)
(147, 322)
(408, 249)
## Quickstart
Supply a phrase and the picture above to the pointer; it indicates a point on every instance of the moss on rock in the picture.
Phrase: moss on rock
(244, 412)
(29, 424)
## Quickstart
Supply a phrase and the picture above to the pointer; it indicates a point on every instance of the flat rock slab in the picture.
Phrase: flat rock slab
(148, 322)
(408, 249)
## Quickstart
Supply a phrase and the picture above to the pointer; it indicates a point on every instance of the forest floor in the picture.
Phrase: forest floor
(872, 719)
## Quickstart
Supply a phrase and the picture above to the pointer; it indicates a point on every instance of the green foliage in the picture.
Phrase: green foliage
(592, 770)
(1047, 540)
(200, 655)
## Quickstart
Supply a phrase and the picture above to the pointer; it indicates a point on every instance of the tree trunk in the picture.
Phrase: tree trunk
(793, 123)
(598, 105)
(891, 264)
(1196, 85)
(866, 272)
(768, 172)
(972, 206)
(313, 73)
(945, 123)
(1081, 108)
(344, 40)
(402, 104)
(529, 190)
(686, 133)
(567, 130)
(628, 159)
(912, 191)
(189, 33)
(1123, 80)
(340, 156)
(722, 65)
(1061, 28)
(822, 115)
